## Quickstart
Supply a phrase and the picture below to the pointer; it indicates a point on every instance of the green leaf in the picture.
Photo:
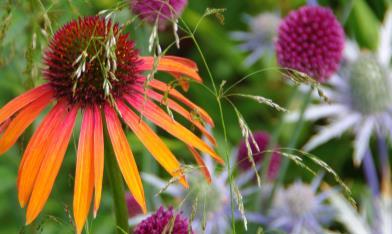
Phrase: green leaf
(364, 24)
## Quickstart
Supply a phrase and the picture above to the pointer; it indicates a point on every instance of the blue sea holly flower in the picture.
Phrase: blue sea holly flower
(373, 218)
(300, 209)
(360, 96)
(210, 203)
(260, 38)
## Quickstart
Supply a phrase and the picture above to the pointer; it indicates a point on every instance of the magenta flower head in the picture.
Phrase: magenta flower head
(311, 40)
(163, 221)
(162, 11)
(262, 139)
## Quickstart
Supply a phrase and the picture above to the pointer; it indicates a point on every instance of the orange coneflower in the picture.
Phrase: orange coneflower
(93, 67)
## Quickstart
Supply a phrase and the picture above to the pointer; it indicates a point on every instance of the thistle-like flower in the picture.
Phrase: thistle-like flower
(299, 209)
(360, 96)
(208, 204)
(375, 217)
(164, 221)
(92, 67)
(262, 139)
(158, 11)
(260, 40)
(311, 40)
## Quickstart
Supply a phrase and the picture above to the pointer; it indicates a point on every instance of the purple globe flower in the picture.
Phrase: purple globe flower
(262, 139)
(311, 40)
(162, 221)
(161, 10)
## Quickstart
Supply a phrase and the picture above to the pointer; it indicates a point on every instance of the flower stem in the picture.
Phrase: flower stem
(384, 163)
(116, 183)
(286, 161)
(371, 173)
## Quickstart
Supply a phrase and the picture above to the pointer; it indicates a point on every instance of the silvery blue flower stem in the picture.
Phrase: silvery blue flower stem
(371, 173)
(384, 161)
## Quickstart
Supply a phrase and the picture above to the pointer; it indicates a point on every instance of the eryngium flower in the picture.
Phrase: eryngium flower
(360, 96)
(158, 11)
(93, 67)
(208, 202)
(163, 221)
(375, 215)
(262, 140)
(260, 38)
(311, 40)
(299, 209)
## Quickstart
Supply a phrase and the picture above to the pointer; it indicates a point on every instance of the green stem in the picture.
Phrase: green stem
(294, 140)
(116, 183)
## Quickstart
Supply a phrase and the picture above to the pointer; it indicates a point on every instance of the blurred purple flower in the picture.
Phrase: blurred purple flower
(262, 140)
(263, 29)
(212, 213)
(163, 221)
(299, 209)
(311, 40)
(160, 11)
(375, 217)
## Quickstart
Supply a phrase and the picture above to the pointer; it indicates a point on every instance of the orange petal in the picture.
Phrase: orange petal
(36, 150)
(98, 158)
(159, 85)
(124, 157)
(163, 120)
(201, 163)
(22, 120)
(84, 176)
(153, 143)
(179, 109)
(22, 100)
(172, 64)
(50, 166)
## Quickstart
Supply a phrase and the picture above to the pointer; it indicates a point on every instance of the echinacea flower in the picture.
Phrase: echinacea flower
(262, 140)
(259, 41)
(300, 209)
(360, 97)
(92, 67)
(158, 11)
(311, 40)
(209, 201)
(164, 221)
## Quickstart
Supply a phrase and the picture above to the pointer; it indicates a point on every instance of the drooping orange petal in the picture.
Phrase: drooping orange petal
(156, 115)
(200, 162)
(22, 120)
(22, 100)
(50, 166)
(124, 157)
(84, 175)
(98, 158)
(172, 64)
(36, 150)
(153, 143)
(159, 85)
(179, 109)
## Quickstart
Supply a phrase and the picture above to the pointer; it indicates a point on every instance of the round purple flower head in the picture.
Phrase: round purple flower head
(162, 222)
(311, 40)
(161, 10)
(262, 139)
